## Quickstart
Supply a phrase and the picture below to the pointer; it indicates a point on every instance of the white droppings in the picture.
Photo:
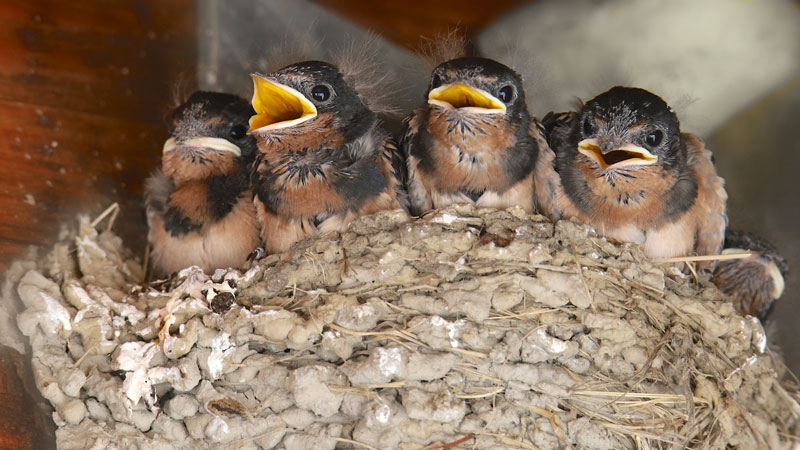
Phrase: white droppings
(56, 312)
(452, 329)
(133, 355)
(444, 218)
(390, 361)
(30, 199)
(134, 358)
(383, 413)
(759, 336)
(217, 429)
(549, 343)
(221, 346)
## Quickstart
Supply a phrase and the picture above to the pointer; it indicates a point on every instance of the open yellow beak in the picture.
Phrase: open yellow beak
(208, 143)
(466, 98)
(278, 105)
(625, 155)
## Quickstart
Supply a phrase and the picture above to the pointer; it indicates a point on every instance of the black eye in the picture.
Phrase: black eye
(436, 81)
(320, 93)
(588, 127)
(238, 131)
(506, 93)
(654, 138)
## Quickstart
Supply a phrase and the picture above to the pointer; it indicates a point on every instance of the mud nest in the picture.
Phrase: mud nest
(468, 328)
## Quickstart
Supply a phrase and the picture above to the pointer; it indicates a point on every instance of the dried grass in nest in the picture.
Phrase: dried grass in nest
(546, 336)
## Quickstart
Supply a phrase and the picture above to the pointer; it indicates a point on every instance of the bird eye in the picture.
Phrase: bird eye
(238, 131)
(588, 127)
(654, 138)
(506, 93)
(436, 81)
(320, 93)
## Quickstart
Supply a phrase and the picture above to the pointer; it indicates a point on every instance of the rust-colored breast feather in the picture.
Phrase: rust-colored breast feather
(469, 158)
(184, 166)
(216, 244)
(464, 160)
(328, 199)
(632, 209)
(710, 208)
(191, 199)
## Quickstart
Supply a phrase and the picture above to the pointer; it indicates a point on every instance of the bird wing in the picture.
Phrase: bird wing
(419, 199)
(393, 165)
(556, 128)
(711, 198)
(551, 200)
(157, 188)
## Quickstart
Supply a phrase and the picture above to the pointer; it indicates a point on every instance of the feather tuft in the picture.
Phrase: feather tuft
(443, 47)
(362, 68)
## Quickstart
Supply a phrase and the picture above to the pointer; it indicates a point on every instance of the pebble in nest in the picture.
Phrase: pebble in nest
(199, 204)
(474, 141)
(323, 158)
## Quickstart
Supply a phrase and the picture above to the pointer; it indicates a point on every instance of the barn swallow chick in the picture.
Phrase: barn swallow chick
(474, 141)
(622, 165)
(323, 158)
(754, 283)
(199, 205)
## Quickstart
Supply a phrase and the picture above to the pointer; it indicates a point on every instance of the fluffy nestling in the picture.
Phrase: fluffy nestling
(622, 165)
(323, 158)
(199, 204)
(473, 141)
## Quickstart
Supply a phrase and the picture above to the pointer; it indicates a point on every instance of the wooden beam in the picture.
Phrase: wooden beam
(406, 22)
(83, 90)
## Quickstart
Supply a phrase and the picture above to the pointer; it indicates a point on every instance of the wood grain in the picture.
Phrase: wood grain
(83, 89)
(406, 22)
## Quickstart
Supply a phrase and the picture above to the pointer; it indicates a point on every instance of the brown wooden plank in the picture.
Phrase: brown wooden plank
(83, 90)
(405, 22)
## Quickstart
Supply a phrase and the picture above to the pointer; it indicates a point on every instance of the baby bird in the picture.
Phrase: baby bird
(754, 283)
(474, 141)
(323, 159)
(199, 205)
(622, 165)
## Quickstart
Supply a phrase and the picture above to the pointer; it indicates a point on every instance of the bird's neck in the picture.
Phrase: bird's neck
(618, 197)
(184, 166)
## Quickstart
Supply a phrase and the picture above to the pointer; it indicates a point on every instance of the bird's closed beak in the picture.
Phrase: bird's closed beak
(466, 98)
(205, 142)
(278, 105)
(623, 155)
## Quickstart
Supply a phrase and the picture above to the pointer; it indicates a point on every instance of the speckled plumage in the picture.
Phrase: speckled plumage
(459, 153)
(674, 206)
(317, 175)
(754, 283)
(199, 204)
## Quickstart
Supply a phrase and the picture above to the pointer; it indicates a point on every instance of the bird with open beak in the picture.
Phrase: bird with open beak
(323, 158)
(474, 141)
(199, 205)
(754, 283)
(622, 165)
